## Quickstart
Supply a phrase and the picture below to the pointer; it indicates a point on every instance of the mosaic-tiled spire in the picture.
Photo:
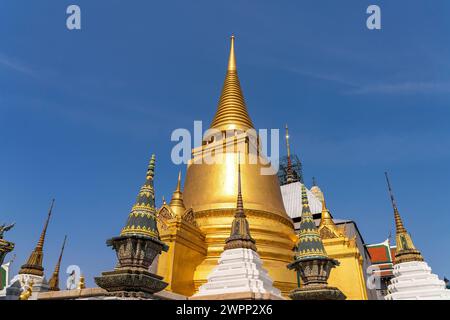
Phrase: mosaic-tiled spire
(309, 243)
(53, 283)
(240, 231)
(142, 218)
(34, 262)
(405, 251)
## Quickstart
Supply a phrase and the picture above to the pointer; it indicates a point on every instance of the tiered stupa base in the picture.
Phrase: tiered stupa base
(414, 281)
(317, 293)
(131, 283)
(239, 275)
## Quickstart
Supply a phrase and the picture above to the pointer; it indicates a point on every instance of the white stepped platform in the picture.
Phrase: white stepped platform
(239, 271)
(414, 281)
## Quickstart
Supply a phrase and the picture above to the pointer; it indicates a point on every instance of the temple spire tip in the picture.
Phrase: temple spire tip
(232, 59)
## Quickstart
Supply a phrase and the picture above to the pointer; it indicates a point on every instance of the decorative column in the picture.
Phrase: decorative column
(136, 248)
(312, 263)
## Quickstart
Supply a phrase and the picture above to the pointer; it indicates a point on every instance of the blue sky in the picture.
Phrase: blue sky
(82, 111)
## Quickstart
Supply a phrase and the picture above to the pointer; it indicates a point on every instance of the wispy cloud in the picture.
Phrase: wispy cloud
(14, 64)
(404, 88)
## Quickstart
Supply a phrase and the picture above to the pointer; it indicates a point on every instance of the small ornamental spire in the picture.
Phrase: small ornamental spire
(240, 231)
(232, 111)
(327, 227)
(54, 280)
(232, 58)
(34, 262)
(309, 243)
(314, 182)
(289, 172)
(398, 220)
(405, 251)
(177, 203)
(142, 218)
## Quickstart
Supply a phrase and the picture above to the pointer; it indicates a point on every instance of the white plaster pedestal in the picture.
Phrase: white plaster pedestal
(239, 271)
(414, 281)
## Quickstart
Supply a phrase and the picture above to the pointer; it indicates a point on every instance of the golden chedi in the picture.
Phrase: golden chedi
(210, 190)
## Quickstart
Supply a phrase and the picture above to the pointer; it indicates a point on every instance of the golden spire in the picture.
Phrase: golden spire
(398, 220)
(232, 58)
(232, 112)
(54, 280)
(405, 250)
(327, 227)
(240, 230)
(176, 203)
(34, 262)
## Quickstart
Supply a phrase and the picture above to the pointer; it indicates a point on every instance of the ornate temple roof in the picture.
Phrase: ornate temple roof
(309, 245)
(405, 251)
(240, 231)
(232, 111)
(34, 263)
(381, 252)
(142, 218)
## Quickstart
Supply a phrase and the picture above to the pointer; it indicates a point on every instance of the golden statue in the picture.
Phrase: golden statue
(26, 294)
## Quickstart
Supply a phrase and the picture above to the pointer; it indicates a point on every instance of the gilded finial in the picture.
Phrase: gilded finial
(327, 227)
(164, 200)
(177, 203)
(44, 231)
(398, 221)
(232, 112)
(405, 250)
(54, 280)
(232, 59)
(179, 181)
(34, 262)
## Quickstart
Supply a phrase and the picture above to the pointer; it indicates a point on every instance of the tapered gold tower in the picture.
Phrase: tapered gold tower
(210, 188)
(34, 262)
(53, 283)
(405, 250)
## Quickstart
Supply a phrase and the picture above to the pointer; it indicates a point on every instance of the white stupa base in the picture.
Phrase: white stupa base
(414, 281)
(239, 271)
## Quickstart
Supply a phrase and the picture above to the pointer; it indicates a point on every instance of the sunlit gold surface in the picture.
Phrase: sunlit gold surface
(232, 111)
(210, 189)
(349, 275)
